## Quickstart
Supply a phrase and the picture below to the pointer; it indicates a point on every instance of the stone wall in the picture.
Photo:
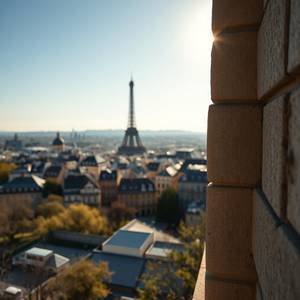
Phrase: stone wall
(253, 206)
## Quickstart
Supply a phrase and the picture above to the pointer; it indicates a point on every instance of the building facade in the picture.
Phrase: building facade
(138, 193)
(81, 189)
(58, 144)
(108, 182)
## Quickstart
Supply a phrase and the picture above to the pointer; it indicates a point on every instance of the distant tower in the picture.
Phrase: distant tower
(58, 143)
(132, 144)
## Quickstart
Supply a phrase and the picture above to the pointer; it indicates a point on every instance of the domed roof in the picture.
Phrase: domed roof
(58, 141)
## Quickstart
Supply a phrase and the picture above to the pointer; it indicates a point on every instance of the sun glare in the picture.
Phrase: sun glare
(197, 35)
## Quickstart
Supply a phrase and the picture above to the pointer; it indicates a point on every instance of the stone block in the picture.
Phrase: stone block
(276, 254)
(216, 289)
(264, 240)
(273, 152)
(294, 37)
(293, 202)
(229, 233)
(271, 47)
(234, 67)
(231, 13)
(258, 293)
(234, 144)
(199, 292)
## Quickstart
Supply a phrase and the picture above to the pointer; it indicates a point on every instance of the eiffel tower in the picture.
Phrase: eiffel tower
(132, 144)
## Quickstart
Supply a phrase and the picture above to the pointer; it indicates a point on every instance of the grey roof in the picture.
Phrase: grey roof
(92, 160)
(136, 185)
(153, 166)
(126, 269)
(163, 249)
(58, 141)
(56, 261)
(107, 175)
(71, 252)
(193, 161)
(38, 251)
(24, 183)
(77, 182)
(128, 239)
(52, 171)
(194, 176)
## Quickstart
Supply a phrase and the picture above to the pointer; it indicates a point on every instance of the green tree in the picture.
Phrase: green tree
(82, 280)
(168, 208)
(175, 278)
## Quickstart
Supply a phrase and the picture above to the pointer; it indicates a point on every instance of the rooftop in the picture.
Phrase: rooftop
(126, 269)
(162, 249)
(128, 239)
(151, 227)
(77, 182)
(19, 184)
(136, 185)
(39, 252)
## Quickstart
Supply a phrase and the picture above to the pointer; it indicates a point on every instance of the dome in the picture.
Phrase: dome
(58, 141)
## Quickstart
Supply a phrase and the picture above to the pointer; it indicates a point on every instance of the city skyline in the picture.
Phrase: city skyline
(74, 72)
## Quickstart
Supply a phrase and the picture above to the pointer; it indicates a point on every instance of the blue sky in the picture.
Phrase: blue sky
(66, 63)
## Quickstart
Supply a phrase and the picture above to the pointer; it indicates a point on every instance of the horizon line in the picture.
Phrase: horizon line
(85, 130)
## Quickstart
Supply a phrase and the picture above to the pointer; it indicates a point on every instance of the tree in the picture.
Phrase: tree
(82, 280)
(119, 214)
(52, 188)
(188, 261)
(168, 208)
(5, 169)
(53, 206)
(77, 217)
(15, 217)
(159, 282)
(176, 277)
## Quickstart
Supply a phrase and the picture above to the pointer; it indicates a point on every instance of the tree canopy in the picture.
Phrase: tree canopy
(175, 278)
(5, 169)
(52, 188)
(76, 217)
(168, 208)
(119, 214)
(82, 280)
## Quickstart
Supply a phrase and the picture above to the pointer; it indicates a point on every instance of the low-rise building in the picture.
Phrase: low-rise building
(26, 188)
(42, 259)
(34, 266)
(22, 170)
(193, 213)
(166, 179)
(108, 182)
(152, 169)
(55, 174)
(192, 185)
(138, 193)
(38, 168)
(93, 164)
(81, 189)
(58, 144)
(128, 252)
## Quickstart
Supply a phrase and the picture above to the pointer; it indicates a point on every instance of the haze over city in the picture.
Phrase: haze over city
(65, 64)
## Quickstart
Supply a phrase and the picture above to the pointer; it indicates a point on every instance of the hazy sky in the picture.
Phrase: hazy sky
(66, 63)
